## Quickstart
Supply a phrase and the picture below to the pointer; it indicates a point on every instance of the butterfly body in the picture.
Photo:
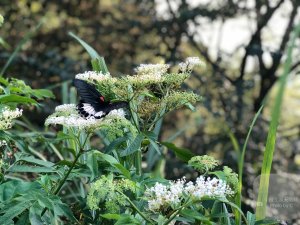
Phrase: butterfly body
(92, 104)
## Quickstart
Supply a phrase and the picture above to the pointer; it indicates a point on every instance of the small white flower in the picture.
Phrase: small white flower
(3, 143)
(74, 121)
(93, 75)
(66, 108)
(7, 115)
(152, 69)
(190, 63)
(161, 197)
(117, 112)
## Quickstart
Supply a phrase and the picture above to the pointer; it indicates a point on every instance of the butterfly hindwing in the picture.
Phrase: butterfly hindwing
(92, 103)
(87, 92)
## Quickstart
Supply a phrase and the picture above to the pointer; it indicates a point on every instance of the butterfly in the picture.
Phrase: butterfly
(92, 104)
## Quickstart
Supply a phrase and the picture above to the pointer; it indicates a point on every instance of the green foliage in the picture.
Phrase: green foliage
(107, 191)
(203, 164)
(94, 170)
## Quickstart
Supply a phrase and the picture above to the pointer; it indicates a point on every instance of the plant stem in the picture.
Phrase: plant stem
(135, 208)
(61, 183)
(138, 162)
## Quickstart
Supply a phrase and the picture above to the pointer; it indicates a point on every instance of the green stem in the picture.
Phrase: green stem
(176, 213)
(135, 208)
(61, 183)
(138, 162)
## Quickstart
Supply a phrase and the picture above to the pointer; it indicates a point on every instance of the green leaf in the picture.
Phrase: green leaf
(13, 212)
(24, 219)
(262, 198)
(98, 62)
(113, 162)
(267, 222)
(26, 38)
(250, 218)
(12, 98)
(30, 169)
(42, 93)
(92, 165)
(35, 215)
(92, 52)
(31, 159)
(182, 153)
(111, 216)
(127, 219)
(188, 213)
(134, 146)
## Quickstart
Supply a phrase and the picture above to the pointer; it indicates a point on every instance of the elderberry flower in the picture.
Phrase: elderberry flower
(3, 143)
(114, 124)
(189, 64)
(162, 197)
(93, 76)
(203, 163)
(108, 191)
(7, 115)
(177, 99)
(67, 108)
(152, 69)
(207, 187)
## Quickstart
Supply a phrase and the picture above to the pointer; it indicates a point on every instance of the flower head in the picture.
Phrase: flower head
(203, 163)
(7, 116)
(3, 143)
(108, 191)
(190, 63)
(152, 69)
(161, 197)
(93, 76)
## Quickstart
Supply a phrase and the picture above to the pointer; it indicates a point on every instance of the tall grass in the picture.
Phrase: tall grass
(262, 198)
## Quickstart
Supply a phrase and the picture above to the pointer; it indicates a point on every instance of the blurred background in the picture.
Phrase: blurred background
(242, 42)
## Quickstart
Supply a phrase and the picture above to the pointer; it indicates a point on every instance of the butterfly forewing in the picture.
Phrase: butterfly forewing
(92, 103)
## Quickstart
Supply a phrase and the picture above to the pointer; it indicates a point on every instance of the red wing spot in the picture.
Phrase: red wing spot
(102, 98)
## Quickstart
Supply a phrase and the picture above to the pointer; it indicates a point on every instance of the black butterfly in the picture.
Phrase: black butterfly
(92, 104)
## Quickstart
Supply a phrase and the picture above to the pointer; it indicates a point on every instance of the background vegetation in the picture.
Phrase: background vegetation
(243, 62)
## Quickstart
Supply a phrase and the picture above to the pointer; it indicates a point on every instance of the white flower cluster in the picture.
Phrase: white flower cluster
(3, 143)
(67, 116)
(6, 117)
(93, 76)
(70, 108)
(190, 63)
(150, 72)
(163, 196)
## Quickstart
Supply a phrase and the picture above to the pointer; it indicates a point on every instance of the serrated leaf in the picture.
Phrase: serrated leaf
(113, 162)
(182, 153)
(134, 146)
(13, 212)
(35, 215)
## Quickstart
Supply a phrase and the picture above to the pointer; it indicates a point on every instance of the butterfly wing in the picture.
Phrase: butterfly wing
(91, 101)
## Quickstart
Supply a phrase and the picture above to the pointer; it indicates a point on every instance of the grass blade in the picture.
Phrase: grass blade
(262, 198)
(241, 164)
(26, 38)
